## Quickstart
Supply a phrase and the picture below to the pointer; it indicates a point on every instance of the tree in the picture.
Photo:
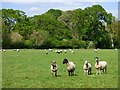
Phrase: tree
(112, 30)
(38, 38)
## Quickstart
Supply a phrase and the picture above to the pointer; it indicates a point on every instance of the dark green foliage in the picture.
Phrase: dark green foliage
(88, 28)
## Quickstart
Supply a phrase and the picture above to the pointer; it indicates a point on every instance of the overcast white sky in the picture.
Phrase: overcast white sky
(35, 7)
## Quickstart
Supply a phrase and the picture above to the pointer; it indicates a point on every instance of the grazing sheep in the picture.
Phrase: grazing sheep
(17, 50)
(72, 51)
(100, 65)
(57, 51)
(87, 68)
(65, 51)
(50, 50)
(54, 68)
(60, 51)
(70, 67)
(14, 49)
(3, 50)
(95, 50)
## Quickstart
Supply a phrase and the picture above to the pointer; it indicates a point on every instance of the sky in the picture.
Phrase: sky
(35, 7)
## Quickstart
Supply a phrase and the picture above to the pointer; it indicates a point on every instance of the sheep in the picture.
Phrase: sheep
(3, 50)
(57, 51)
(46, 52)
(72, 51)
(60, 51)
(17, 50)
(54, 68)
(70, 67)
(65, 51)
(95, 50)
(100, 65)
(50, 50)
(87, 67)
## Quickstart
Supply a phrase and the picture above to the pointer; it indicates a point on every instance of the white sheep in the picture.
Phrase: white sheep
(70, 67)
(72, 51)
(17, 50)
(54, 68)
(87, 67)
(46, 52)
(60, 51)
(57, 51)
(95, 50)
(65, 51)
(100, 65)
(50, 50)
(3, 50)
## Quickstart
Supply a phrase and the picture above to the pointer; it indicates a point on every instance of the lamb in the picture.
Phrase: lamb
(70, 67)
(54, 68)
(100, 65)
(87, 67)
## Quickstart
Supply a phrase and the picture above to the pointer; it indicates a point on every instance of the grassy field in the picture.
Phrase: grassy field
(31, 69)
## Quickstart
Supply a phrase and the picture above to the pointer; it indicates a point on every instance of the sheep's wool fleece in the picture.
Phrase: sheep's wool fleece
(55, 69)
(102, 64)
(70, 65)
(89, 66)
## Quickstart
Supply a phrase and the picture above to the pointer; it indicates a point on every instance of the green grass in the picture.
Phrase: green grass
(31, 69)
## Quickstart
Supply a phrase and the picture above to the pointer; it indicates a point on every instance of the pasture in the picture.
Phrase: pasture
(30, 68)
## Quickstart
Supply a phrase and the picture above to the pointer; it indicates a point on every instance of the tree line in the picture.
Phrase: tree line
(92, 27)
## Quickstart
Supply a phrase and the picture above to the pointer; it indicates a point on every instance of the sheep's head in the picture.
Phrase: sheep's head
(97, 60)
(65, 61)
(53, 63)
(86, 62)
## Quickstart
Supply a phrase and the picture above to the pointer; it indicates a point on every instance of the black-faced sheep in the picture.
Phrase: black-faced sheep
(54, 68)
(100, 65)
(87, 67)
(70, 67)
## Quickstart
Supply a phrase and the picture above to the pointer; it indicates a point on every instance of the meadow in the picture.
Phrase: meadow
(30, 68)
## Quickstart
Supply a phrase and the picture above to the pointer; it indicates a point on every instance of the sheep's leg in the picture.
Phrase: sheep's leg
(56, 73)
(90, 71)
(69, 73)
(84, 72)
(105, 69)
(72, 73)
(98, 71)
(87, 72)
(52, 73)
